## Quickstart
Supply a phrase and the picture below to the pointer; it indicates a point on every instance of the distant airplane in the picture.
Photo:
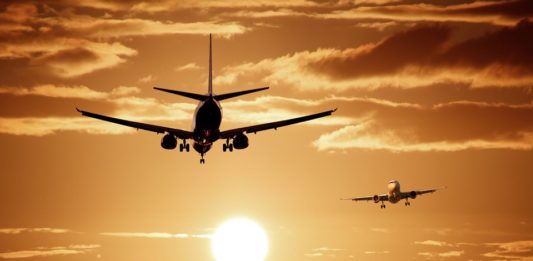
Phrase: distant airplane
(394, 195)
(206, 121)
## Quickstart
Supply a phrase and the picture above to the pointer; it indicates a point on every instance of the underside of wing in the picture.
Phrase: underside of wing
(181, 134)
(272, 125)
(375, 198)
(422, 192)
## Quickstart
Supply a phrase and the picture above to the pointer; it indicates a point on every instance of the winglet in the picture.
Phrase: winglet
(78, 109)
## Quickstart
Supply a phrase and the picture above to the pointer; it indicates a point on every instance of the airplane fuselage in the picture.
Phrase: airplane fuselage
(394, 192)
(206, 124)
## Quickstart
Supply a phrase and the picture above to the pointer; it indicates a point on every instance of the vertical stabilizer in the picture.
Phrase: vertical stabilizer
(210, 84)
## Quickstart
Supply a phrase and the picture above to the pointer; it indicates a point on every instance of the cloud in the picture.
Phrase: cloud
(492, 12)
(324, 252)
(361, 137)
(452, 253)
(147, 79)
(517, 250)
(58, 91)
(433, 243)
(71, 44)
(50, 251)
(418, 57)
(380, 230)
(187, 67)
(96, 27)
(37, 126)
(154, 235)
(452, 126)
(66, 57)
(33, 230)
(167, 5)
(371, 252)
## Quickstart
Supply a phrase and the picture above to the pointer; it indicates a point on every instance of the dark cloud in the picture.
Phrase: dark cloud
(413, 47)
(70, 57)
(506, 51)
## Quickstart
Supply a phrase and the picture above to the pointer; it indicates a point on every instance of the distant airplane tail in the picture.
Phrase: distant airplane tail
(201, 97)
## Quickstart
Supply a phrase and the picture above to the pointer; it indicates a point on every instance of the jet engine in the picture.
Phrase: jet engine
(240, 142)
(375, 198)
(169, 142)
(412, 194)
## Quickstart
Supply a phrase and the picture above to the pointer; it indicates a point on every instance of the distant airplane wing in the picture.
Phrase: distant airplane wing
(272, 125)
(181, 134)
(420, 192)
(382, 197)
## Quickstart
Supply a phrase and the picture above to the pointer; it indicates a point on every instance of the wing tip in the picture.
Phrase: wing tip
(78, 110)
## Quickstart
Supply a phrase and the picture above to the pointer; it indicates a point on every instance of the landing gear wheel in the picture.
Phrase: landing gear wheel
(230, 147)
(181, 147)
(202, 161)
(187, 147)
(224, 147)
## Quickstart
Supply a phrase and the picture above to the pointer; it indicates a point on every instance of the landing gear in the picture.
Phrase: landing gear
(382, 205)
(407, 203)
(185, 146)
(202, 160)
(227, 146)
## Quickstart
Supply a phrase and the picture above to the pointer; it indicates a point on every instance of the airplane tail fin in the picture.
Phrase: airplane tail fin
(201, 97)
(210, 84)
(235, 94)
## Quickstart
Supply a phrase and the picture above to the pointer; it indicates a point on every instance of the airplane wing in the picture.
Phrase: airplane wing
(181, 134)
(273, 125)
(422, 192)
(382, 197)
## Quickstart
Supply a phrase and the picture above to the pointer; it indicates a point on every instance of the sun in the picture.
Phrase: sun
(239, 239)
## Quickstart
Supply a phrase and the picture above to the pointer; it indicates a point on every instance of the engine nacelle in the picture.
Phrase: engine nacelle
(240, 142)
(169, 142)
(375, 198)
(412, 194)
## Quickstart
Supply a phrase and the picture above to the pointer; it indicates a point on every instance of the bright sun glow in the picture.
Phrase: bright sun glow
(239, 240)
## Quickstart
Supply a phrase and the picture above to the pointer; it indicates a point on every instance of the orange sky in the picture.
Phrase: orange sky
(431, 94)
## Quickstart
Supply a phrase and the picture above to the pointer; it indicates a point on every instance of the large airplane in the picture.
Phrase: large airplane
(394, 195)
(206, 121)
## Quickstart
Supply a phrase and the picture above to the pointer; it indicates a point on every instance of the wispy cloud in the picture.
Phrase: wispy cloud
(59, 91)
(154, 235)
(517, 250)
(380, 230)
(146, 79)
(33, 230)
(452, 253)
(50, 251)
(433, 243)
(433, 59)
(187, 67)
(499, 13)
(69, 44)
(324, 252)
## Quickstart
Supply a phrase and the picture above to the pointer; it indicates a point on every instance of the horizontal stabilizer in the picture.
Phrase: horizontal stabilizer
(221, 97)
(195, 96)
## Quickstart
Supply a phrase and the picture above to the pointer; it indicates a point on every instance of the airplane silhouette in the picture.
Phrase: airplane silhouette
(394, 194)
(206, 121)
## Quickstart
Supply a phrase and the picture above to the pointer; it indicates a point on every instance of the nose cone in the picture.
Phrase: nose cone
(393, 185)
